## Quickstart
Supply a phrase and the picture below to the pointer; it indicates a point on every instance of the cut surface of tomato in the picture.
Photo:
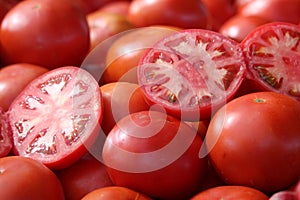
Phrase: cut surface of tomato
(191, 73)
(56, 116)
(5, 137)
(272, 54)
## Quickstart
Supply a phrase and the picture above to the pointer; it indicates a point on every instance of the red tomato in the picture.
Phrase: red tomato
(115, 193)
(5, 138)
(219, 11)
(56, 117)
(126, 50)
(5, 6)
(28, 179)
(183, 14)
(47, 33)
(273, 55)
(14, 78)
(83, 177)
(104, 25)
(192, 73)
(155, 154)
(119, 100)
(88, 6)
(118, 7)
(231, 192)
(239, 26)
(273, 10)
(258, 133)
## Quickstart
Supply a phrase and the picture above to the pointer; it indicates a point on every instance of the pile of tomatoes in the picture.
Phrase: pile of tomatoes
(161, 99)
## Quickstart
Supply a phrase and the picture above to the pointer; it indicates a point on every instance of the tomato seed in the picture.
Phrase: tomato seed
(268, 77)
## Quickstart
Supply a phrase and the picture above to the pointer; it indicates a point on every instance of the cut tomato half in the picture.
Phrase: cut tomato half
(272, 54)
(56, 117)
(192, 73)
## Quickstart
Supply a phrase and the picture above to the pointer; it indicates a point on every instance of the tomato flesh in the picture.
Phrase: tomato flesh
(5, 137)
(190, 71)
(55, 116)
(273, 56)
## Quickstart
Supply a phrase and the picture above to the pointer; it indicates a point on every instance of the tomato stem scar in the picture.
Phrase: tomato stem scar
(259, 100)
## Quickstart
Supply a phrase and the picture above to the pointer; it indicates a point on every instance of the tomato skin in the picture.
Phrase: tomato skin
(119, 7)
(120, 99)
(134, 148)
(28, 179)
(52, 119)
(268, 137)
(219, 11)
(14, 78)
(273, 10)
(192, 14)
(231, 192)
(125, 52)
(116, 193)
(59, 36)
(238, 26)
(84, 176)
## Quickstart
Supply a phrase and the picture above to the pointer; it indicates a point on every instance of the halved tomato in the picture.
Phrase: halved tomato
(272, 54)
(56, 116)
(5, 137)
(192, 73)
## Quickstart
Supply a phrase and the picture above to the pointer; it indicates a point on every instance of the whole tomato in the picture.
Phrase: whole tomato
(273, 10)
(14, 78)
(27, 179)
(258, 133)
(44, 32)
(84, 176)
(119, 100)
(119, 7)
(230, 192)
(155, 154)
(115, 193)
(179, 13)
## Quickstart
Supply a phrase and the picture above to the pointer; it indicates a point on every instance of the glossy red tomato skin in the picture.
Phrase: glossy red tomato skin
(116, 193)
(14, 78)
(219, 11)
(28, 179)
(59, 36)
(272, 57)
(178, 13)
(120, 99)
(265, 143)
(5, 6)
(103, 25)
(134, 148)
(231, 192)
(52, 119)
(273, 10)
(119, 7)
(191, 87)
(84, 176)
(6, 142)
(238, 26)
(125, 52)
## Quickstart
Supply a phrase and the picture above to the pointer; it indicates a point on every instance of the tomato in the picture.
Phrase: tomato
(104, 25)
(258, 133)
(119, 7)
(28, 179)
(5, 138)
(239, 26)
(219, 11)
(231, 192)
(56, 117)
(155, 154)
(14, 78)
(125, 52)
(283, 195)
(116, 193)
(183, 14)
(272, 54)
(47, 33)
(273, 10)
(88, 6)
(120, 99)
(84, 176)
(5, 6)
(192, 73)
